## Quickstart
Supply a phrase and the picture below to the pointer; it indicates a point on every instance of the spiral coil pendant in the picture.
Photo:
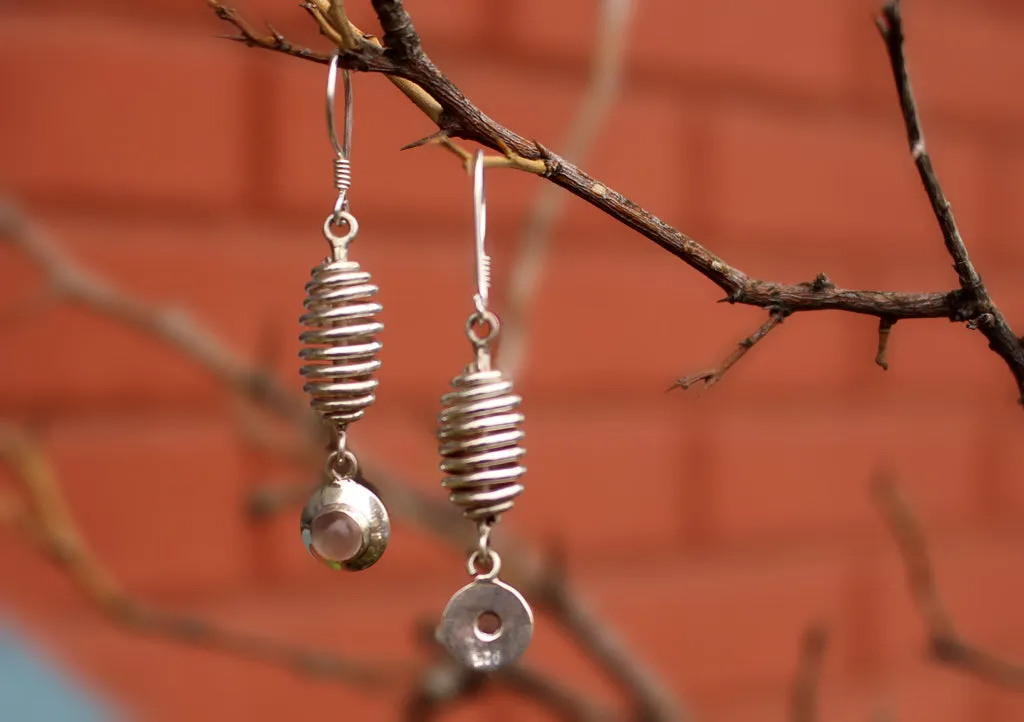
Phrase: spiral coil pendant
(480, 439)
(341, 341)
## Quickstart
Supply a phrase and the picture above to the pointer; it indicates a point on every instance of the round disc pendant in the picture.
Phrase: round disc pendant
(486, 625)
(345, 525)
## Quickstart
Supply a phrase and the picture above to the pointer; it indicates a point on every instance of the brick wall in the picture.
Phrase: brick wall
(709, 528)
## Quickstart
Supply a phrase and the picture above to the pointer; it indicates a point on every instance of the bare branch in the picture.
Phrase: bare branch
(654, 702)
(807, 684)
(347, 35)
(602, 90)
(985, 315)
(275, 41)
(401, 40)
(44, 519)
(710, 377)
(403, 57)
(945, 643)
(884, 329)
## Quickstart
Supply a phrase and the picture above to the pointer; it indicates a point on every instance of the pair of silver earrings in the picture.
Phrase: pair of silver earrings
(487, 624)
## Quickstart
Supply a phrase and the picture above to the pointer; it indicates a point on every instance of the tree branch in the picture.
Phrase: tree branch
(710, 377)
(459, 118)
(43, 518)
(70, 282)
(986, 315)
(944, 642)
(652, 700)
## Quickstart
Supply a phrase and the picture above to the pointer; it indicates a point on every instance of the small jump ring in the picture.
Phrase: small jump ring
(348, 469)
(492, 573)
(479, 318)
(335, 219)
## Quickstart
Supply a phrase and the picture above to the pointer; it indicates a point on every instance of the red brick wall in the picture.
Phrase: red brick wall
(709, 528)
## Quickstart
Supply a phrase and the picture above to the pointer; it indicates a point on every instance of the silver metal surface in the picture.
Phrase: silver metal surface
(363, 506)
(341, 343)
(479, 433)
(339, 244)
(468, 644)
(343, 150)
(340, 351)
(483, 261)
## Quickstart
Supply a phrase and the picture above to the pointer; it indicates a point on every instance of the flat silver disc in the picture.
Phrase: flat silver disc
(486, 625)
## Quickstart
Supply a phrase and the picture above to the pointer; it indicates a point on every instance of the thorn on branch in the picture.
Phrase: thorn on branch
(437, 137)
(980, 321)
(712, 376)
(551, 161)
(885, 325)
(821, 282)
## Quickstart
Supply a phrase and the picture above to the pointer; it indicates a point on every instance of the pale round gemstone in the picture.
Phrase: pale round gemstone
(336, 536)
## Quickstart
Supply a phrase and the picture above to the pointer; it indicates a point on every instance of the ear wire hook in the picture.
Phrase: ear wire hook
(483, 261)
(342, 167)
(345, 148)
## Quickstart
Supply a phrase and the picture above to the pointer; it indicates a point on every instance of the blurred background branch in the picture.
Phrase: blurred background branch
(945, 644)
(260, 392)
(40, 515)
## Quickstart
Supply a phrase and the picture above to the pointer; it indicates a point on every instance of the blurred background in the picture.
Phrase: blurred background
(706, 529)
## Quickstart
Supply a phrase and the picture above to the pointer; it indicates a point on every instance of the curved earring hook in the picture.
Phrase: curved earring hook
(345, 147)
(483, 261)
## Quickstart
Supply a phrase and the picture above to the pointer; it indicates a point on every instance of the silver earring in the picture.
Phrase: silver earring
(344, 524)
(487, 624)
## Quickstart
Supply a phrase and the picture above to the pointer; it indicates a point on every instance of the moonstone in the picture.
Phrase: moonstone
(336, 536)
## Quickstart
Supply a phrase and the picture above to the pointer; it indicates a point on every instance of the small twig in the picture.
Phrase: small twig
(710, 377)
(884, 329)
(511, 160)
(349, 40)
(70, 282)
(275, 41)
(944, 642)
(890, 25)
(44, 519)
(527, 271)
(985, 315)
(807, 683)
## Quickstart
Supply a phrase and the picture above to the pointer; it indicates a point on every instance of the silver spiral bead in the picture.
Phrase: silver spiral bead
(479, 435)
(341, 341)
